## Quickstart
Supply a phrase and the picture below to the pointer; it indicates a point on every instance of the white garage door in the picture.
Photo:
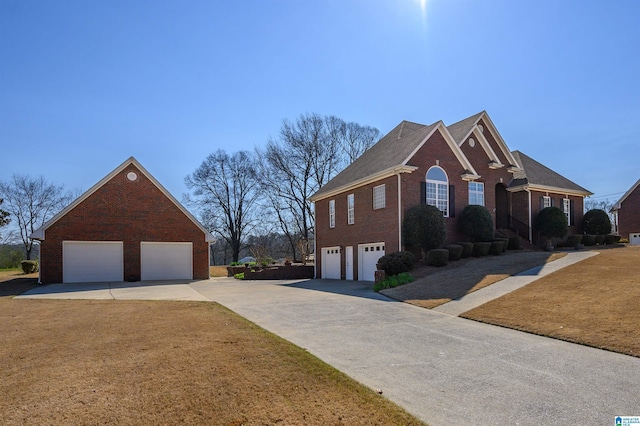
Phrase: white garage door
(331, 263)
(368, 255)
(166, 261)
(634, 238)
(92, 261)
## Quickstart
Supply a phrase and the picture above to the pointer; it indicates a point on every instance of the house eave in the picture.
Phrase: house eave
(468, 177)
(392, 171)
(544, 188)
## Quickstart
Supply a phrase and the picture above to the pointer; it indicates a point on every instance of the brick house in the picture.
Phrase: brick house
(359, 212)
(127, 227)
(627, 214)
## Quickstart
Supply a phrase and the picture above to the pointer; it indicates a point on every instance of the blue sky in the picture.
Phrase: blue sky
(86, 84)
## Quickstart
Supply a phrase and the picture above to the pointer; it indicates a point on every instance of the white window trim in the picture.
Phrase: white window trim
(332, 213)
(566, 207)
(546, 201)
(439, 186)
(480, 193)
(379, 197)
(351, 209)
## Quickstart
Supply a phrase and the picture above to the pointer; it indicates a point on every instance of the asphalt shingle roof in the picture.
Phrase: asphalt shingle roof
(534, 173)
(462, 128)
(390, 151)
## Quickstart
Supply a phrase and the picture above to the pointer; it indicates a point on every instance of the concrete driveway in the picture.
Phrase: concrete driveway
(444, 369)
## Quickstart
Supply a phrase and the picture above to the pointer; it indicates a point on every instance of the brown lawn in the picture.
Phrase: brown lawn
(436, 286)
(595, 302)
(137, 362)
(217, 271)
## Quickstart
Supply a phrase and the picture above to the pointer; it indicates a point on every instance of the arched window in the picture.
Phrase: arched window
(438, 189)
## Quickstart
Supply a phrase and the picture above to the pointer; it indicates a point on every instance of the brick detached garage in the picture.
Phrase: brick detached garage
(127, 227)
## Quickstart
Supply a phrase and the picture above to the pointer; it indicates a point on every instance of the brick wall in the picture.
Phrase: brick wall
(128, 211)
(629, 214)
(370, 226)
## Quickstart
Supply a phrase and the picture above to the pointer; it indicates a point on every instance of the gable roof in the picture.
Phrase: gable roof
(618, 205)
(537, 176)
(461, 130)
(39, 234)
(389, 156)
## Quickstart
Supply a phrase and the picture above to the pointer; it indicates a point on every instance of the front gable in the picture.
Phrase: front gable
(128, 193)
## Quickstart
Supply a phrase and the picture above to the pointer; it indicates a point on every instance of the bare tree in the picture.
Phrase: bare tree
(4, 216)
(31, 202)
(306, 155)
(352, 138)
(225, 188)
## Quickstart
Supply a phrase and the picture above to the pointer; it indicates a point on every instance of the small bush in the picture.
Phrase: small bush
(239, 276)
(515, 243)
(609, 239)
(505, 241)
(396, 263)
(588, 240)
(29, 266)
(235, 264)
(617, 239)
(623, 240)
(573, 240)
(467, 248)
(597, 222)
(476, 222)
(599, 239)
(455, 251)
(437, 257)
(481, 248)
(496, 247)
(393, 281)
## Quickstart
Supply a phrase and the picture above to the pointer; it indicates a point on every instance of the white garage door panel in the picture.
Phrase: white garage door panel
(634, 238)
(92, 261)
(368, 256)
(166, 261)
(331, 263)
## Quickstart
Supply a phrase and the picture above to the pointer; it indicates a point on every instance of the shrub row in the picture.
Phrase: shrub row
(589, 240)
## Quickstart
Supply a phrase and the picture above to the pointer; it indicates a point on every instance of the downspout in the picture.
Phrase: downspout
(530, 224)
(399, 212)
(315, 239)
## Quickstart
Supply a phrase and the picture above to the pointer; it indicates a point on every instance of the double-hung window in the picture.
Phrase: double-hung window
(546, 201)
(566, 208)
(350, 209)
(476, 193)
(332, 213)
(379, 201)
(438, 189)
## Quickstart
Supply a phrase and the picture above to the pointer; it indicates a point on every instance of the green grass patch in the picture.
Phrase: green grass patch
(394, 281)
(239, 276)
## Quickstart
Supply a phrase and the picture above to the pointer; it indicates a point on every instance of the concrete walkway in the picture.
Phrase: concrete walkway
(443, 369)
(499, 289)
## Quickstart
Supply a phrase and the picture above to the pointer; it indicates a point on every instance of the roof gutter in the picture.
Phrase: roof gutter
(366, 180)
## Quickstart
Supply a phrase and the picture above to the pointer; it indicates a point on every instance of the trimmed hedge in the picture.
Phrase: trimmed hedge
(437, 257)
(515, 243)
(397, 262)
(596, 221)
(505, 241)
(29, 266)
(481, 249)
(588, 240)
(423, 226)
(496, 247)
(467, 248)
(476, 223)
(573, 240)
(455, 251)
(599, 239)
